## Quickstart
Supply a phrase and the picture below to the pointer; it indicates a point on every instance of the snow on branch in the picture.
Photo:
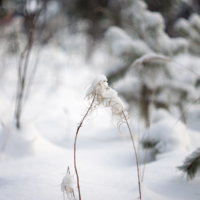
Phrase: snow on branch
(151, 57)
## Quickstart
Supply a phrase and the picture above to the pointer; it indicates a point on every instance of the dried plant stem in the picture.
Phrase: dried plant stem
(21, 83)
(183, 113)
(186, 68)
(23, 66)
(89, 109)
(136, 157)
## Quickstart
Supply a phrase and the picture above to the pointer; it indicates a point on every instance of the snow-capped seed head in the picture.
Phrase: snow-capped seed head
(67, 185)
(112, 100)
(100, 92)
(98, 86)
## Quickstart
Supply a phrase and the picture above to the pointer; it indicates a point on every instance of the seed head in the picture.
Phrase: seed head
(67, 185)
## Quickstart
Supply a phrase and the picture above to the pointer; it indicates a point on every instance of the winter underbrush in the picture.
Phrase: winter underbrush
(35, 158)
(105, 157)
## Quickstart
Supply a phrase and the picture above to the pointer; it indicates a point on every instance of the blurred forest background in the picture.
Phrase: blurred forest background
(82, 26)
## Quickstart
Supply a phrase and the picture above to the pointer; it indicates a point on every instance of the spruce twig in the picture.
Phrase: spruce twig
(191, 164)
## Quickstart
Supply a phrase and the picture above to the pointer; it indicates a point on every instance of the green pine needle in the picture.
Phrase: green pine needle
(191, 164)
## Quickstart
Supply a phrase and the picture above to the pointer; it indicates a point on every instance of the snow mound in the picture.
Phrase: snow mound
(193, 117)
(167, 133)
(159, 115)
(22, 142)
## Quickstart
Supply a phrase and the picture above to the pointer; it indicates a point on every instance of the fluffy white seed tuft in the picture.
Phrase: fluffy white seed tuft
(112, 100)
(100, 92)
(99, 84)
(67, 185)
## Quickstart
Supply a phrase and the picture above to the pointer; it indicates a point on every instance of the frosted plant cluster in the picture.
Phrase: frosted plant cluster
(112, 100)
(67, 185)
(97, 88)
(100, 92)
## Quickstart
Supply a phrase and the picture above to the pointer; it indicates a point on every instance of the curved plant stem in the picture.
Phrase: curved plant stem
(140, 197)
(89, 109)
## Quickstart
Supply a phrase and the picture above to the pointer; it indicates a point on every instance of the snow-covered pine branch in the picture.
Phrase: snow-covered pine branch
(151, 57)
(190, 29)
(191, 165)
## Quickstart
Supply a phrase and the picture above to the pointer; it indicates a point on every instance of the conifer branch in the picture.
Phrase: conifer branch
(191, 164)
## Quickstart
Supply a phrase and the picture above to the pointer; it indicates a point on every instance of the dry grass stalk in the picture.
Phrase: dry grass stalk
(32, 19)
(94, 93)
(90, 109)
(99, 92)
(136, 157)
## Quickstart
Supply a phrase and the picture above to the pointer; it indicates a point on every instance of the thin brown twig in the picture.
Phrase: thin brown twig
(29, 82)
(186, 68)
(136, 157)
(183, 113)
(23, 63)
(89, 109)
(21, 86)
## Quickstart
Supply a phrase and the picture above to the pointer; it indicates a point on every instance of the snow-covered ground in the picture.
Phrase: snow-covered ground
(36, 158)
